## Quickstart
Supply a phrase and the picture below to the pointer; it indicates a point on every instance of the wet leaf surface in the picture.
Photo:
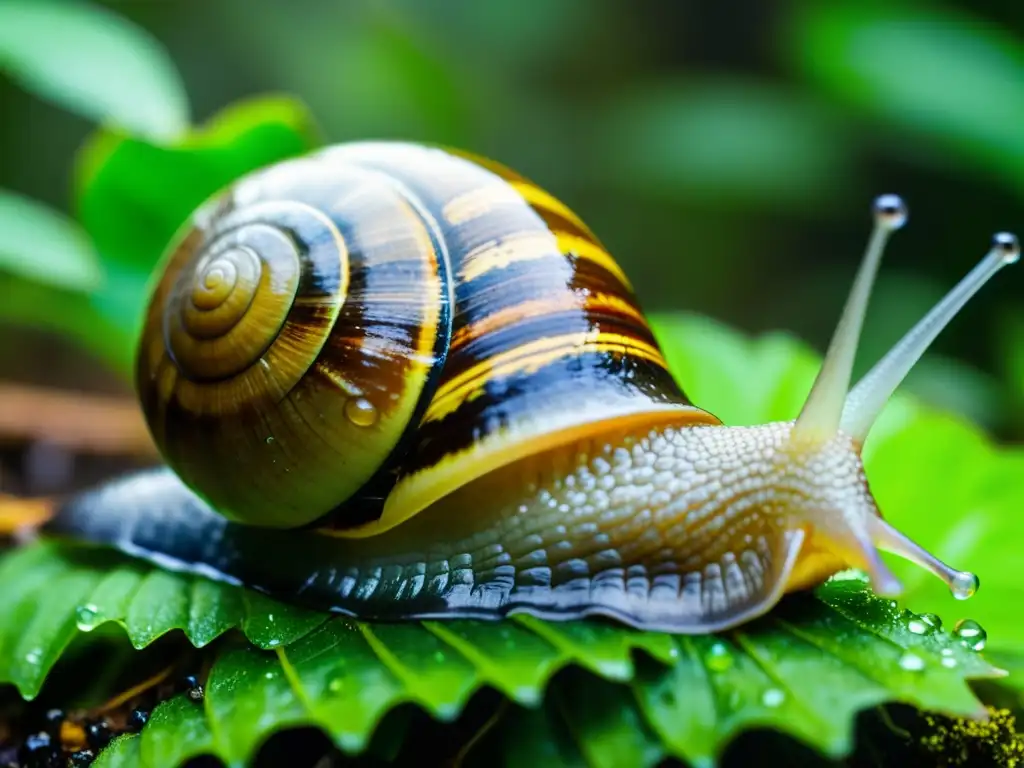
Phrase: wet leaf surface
(619, 696)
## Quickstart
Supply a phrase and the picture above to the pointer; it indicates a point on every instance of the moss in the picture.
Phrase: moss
(962, 742)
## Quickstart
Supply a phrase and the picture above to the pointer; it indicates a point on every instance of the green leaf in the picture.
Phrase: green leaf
(625, 698)
(1011, 353)
(894, 62)
(535, 737)
(123, 752)
(268, 627)
(179, 731)
(212, 611)
(147, 602)
(41, 244)
(390, 76)
(70, 314)
(937, 478)
(606, 724)
(699, 139)
(93, 62)
(133, 195)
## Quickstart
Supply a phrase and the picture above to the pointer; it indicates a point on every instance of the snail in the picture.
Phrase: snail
(397, 382)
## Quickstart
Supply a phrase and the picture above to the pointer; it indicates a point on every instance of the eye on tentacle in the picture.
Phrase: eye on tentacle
(831, 412)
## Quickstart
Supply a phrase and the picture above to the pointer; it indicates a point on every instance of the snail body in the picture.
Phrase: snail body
(400, 382)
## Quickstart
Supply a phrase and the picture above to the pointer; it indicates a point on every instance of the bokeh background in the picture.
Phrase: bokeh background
(727, 153)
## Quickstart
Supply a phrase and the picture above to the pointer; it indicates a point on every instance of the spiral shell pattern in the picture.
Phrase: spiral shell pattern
(225, 317)
(348, 337)
(288, 341)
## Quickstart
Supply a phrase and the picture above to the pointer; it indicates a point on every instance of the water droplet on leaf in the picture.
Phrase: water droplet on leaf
(949, 662)
(718, 658)
(931, 620)
(87, 617)
(971, 634)
(773, 697)
(911, 662)
(918, 627)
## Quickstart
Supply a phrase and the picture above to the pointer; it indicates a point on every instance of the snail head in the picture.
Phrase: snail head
(819, 465)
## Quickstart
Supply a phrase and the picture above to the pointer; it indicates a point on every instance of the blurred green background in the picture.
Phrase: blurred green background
(726, 153)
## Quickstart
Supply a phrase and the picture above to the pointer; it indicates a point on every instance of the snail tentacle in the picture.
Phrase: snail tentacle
(819, 418)
(866, 400)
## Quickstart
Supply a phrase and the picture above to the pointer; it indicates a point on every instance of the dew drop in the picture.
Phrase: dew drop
(964, 585)
(918, 627)
(931, 620)
(971, 634)
(718, 658)
(773, 697)
(34, 657)
(911, 662)
(269, 675)
(947, 651)
(949, 662)
(87, 617)
(336, 685)
(361, 412)
(270, 439)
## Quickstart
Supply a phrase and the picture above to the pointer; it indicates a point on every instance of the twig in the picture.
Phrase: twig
(78, 421)
(484, 729)
(18, 515)
(137, 690)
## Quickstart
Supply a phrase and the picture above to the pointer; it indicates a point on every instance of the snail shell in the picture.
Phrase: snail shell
(385, 308)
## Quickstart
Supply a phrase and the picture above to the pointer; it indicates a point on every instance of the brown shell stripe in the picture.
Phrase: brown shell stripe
(523, 316)
(541, 311)
(391, 316)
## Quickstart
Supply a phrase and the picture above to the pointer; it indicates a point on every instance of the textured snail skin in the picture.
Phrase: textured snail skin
(623, 526)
